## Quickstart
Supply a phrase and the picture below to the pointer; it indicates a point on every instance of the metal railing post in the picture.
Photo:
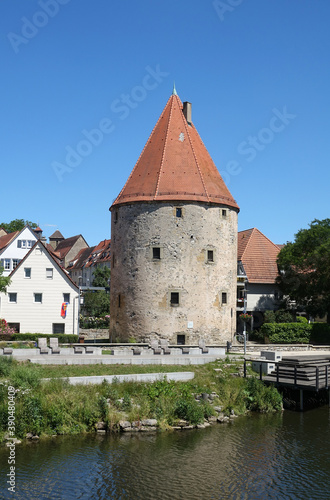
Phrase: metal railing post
(317, 378)
(295, 375)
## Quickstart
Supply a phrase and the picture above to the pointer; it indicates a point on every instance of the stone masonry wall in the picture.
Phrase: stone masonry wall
(141, 285)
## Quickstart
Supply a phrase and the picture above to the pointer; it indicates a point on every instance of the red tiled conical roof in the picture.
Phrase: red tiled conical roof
(175, 165)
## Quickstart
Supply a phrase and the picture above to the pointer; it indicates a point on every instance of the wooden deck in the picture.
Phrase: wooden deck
(300, 372)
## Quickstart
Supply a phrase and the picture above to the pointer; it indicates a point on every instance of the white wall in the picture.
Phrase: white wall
(261, 297)
(13, 252)
(39, 317)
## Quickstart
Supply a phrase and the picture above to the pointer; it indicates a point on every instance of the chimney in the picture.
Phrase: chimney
(187, 111)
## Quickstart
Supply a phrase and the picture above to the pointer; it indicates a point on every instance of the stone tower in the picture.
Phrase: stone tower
(174, 241)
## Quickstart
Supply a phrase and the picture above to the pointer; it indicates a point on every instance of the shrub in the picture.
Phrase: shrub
(260, 397)
(189, 410)
(320, 333)
(287, 333)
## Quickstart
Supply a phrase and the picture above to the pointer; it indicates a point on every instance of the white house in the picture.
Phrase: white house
(14, 247)
(36, 296)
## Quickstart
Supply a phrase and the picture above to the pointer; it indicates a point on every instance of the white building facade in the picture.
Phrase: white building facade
(37, 293)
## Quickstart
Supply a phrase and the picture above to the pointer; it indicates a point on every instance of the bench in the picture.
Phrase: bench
(53, 344)
(164, 346)
(42, 344)
(202, 346)
(78, 350)
(155, 347)
(89, 350)
(185, 350)
(136, 350)
(8, 350)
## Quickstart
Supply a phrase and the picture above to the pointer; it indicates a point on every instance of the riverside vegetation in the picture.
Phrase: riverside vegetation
(46, 408)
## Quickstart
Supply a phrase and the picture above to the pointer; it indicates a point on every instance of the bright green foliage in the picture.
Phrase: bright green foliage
(304, 268)
(101, 276)
(269, 317)
(260, 397)
(4, 281)
(17, 225)
(96, 303)
(287, 333)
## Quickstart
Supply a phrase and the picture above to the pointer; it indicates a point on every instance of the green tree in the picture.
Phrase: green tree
(304, 268)
(17, 225)
(101, 276)
(96, 303)
(4, 281)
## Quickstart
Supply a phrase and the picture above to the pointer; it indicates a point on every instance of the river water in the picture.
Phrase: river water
(283, 456)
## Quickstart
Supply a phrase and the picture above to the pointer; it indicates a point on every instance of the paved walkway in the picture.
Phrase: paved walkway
(89, 359)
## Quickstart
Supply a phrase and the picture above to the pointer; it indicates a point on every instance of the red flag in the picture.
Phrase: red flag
(63, 309)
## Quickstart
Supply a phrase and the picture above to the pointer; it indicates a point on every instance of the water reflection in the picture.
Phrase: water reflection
(258, 457)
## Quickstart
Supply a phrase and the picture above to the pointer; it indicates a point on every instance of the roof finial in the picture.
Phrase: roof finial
(174, 90)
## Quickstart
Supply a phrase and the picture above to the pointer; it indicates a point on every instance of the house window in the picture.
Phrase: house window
(58, 328)
(30, 243)
(224, 213)
(210, 256)
(15, 263)
(49, 273)
(12, 296)
(178, 212)
(23, 243)
(38, 297)
(66, 297)
(7, 264)
(27, 272)
(224, 298)
(15, 326)
(175, 299)
(156, 253)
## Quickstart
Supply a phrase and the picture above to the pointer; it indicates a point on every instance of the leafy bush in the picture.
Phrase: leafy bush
(260, 397)
(320, 333)
(287, 333)
(189, 410)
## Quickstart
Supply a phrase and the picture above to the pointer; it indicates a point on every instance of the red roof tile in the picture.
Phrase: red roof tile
(175, 165)
(7, 238)
(258, 255)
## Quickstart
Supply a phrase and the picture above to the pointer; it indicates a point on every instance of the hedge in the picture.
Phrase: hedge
(296, 333)
(62, 338)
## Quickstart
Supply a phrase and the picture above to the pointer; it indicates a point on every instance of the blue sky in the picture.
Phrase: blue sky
(83, 84)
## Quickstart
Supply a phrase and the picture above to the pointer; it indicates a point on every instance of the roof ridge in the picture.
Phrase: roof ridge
(196, 160)
(143, 150)
(166, 136)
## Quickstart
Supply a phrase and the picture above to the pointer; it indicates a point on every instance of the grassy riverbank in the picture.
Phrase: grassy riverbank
(55, 407)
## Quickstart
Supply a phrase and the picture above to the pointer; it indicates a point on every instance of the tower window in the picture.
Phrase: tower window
(210, 256)
(119, 300)
(156, 253)
(224, 297)
(178, 212)
(116, 216)
(224, 213)
(175, 298)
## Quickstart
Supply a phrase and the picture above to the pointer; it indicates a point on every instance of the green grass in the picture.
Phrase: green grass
(56, 407)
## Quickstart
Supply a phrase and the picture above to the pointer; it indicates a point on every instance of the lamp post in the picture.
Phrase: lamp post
(244, 323)
(80, 278)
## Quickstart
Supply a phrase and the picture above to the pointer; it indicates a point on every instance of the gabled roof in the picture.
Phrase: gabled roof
(65, 246)
(175, 165)
(57, 235)
(258, 255)
(88, 257)
(80, 259)
(7, 238)
(56, 264)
